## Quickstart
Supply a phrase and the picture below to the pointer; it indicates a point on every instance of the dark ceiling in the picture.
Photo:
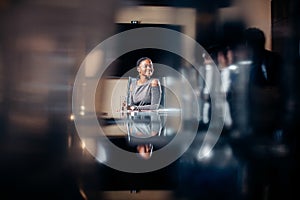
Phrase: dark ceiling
(198, 4)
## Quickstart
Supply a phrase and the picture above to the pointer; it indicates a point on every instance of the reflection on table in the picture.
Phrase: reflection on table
(140, 131)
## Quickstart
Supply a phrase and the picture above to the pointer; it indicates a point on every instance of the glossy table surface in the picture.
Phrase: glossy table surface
(235, 168)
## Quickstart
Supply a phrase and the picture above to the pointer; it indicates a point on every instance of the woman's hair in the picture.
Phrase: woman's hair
(141, 60)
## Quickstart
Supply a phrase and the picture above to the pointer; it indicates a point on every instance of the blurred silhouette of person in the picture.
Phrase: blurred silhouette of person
(232, 92)
(265, 63)
(144, 92)
(223, 58)
(208, 65)
(223, 65)
(264, 83)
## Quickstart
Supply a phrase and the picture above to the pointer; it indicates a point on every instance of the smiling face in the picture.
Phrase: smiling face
(145, 68)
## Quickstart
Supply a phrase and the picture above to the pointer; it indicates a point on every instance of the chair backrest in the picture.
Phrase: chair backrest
(163, 83)
(130, 80)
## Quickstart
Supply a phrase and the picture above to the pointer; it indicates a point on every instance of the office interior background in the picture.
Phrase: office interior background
(42, 46)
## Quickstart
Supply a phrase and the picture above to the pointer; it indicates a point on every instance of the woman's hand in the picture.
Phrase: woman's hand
(132, 108)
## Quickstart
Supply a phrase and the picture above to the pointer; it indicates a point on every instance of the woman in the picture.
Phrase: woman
(144, 92)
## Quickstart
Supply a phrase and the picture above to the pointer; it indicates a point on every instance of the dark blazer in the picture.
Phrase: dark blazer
(265, 95)
(272, 63)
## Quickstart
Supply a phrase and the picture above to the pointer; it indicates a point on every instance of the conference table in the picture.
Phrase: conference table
(133, 131)
(156, 151)
(160, 153)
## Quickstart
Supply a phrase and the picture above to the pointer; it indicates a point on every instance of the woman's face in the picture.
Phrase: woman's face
(146, 68)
